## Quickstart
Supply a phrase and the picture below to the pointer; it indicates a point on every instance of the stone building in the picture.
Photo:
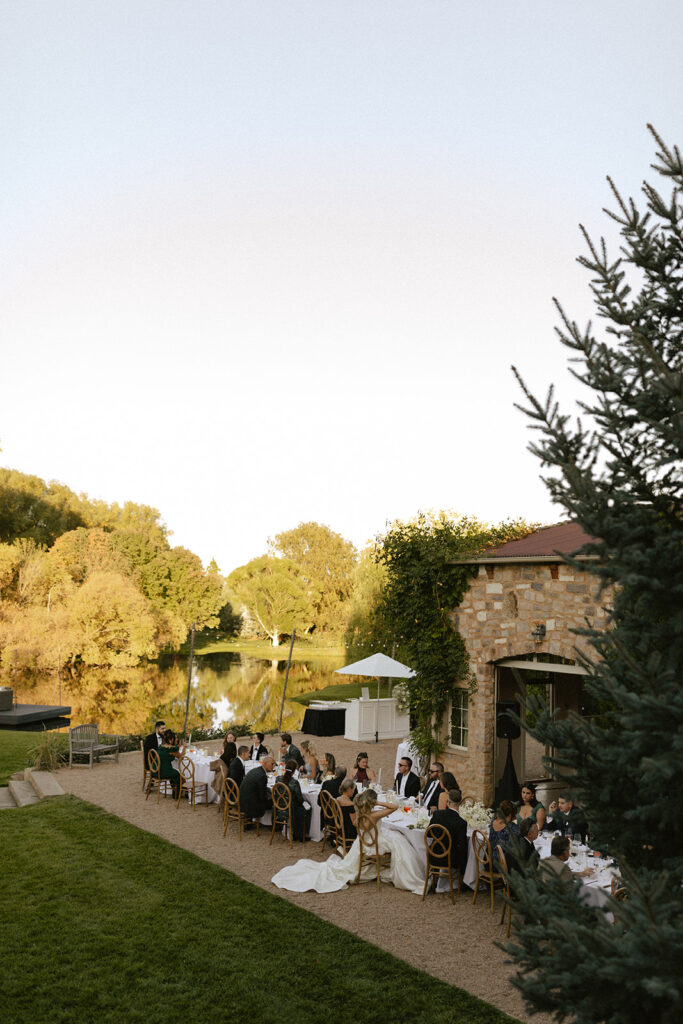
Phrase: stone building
(516, 620)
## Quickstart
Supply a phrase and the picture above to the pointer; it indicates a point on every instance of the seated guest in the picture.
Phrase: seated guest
(406, 783)
(167, 752)
(565, 816)
(230, 737)
(153, 741)
(257, 749)
(523, 854)
(333, 785)
(329, 766)
(347, 792)
(456, 827)
(301, 811)
(312, 765)
(556, 863)
(432, 789)
(529, 806)
(361, 772)
(220, 766)
(288, 752)
(254, 796)
(236, 769)
(502, 828)
(447, 782)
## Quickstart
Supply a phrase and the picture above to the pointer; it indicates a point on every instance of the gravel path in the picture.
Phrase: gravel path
(454, 943)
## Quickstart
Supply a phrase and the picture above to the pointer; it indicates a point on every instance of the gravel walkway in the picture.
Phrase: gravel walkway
(454, 943)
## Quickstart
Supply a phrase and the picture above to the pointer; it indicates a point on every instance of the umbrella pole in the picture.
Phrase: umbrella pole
(377, 712)
(284, 689)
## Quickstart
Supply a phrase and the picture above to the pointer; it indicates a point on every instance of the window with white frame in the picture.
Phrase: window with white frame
(459, 718)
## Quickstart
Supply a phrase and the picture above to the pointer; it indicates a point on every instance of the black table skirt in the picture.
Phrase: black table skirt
(330, 722)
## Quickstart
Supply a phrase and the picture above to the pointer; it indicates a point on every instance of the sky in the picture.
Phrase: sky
(271, 262)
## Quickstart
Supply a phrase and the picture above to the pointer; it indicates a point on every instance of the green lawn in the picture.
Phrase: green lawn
(304, 650)
(14, 747)
(102, 922)
(344, 691)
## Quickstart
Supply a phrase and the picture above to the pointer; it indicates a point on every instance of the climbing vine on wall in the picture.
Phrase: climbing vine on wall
(421, 590)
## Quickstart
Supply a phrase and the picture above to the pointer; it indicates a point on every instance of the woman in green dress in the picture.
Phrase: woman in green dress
(530, 807)
(167, 752)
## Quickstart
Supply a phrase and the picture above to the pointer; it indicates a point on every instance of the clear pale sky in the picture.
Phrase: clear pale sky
(265, 262)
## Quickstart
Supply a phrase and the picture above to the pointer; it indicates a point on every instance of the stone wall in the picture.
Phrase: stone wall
(496, 617)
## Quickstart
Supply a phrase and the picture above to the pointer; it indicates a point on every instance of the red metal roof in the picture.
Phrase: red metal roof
(565, 538)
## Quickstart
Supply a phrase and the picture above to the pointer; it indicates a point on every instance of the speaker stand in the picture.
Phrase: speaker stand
(508, 787)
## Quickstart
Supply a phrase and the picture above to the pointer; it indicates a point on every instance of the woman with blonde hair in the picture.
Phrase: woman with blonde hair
(404, 870)
(311, 761)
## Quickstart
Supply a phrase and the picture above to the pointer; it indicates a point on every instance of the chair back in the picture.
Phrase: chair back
(326, 802)
(231, 794)
(154, 762)
(438, 842)
(282, 798)
(467, 801)
(82, 736)
(502, 859)
(482, 850)
(186, 769)
(367, 835)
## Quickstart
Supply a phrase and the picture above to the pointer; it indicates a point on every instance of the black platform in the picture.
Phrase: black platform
(35, 717)
(327, 722)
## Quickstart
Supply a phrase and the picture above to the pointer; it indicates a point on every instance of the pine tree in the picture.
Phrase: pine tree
(617, 471)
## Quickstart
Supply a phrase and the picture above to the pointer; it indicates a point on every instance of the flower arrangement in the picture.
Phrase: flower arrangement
(476, 815)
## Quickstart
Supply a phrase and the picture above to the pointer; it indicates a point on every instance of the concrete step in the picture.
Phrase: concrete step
(6, 798)
(23, 793)
(44, 783)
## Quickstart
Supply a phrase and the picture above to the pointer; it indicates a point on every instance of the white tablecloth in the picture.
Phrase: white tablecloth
(309, 791)
(202, 773)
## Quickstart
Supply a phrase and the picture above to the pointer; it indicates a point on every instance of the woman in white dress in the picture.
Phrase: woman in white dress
(405, 870)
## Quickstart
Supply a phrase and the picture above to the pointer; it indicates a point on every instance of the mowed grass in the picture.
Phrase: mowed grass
(14, 748)
(102, 922)
(345, 691)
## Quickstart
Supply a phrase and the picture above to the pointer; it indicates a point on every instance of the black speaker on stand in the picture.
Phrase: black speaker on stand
(507, 729)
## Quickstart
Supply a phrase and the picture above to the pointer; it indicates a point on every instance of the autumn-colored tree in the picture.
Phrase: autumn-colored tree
(328, 561)
(276, 593)
(113, 622)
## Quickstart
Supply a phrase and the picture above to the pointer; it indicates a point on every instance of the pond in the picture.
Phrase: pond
(226, 688)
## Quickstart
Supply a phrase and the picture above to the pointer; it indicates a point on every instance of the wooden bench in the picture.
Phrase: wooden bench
(86, 740)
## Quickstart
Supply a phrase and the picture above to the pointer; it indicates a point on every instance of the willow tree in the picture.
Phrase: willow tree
(617, 471)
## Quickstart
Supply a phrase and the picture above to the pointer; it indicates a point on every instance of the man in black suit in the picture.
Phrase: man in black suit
(236, 767)
(288, 752)
(254, 796)
(563, 814)
(432, 789)
(523, 853)
(457, 829)
(153, 741)
(406, 782)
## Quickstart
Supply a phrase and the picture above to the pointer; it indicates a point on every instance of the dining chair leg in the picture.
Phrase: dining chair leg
(450, 882)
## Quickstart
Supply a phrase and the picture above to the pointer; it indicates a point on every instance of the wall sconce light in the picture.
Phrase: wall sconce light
(538, 632)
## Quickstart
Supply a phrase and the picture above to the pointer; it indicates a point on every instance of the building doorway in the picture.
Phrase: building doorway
(560, 682)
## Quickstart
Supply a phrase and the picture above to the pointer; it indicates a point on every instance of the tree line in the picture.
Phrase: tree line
(84, 582)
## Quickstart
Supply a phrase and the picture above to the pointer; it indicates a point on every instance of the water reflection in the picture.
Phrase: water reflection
(226, 688)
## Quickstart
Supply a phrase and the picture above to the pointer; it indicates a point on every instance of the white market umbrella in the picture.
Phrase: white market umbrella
(379, 666)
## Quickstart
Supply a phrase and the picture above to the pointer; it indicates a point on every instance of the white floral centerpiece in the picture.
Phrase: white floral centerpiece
(476, 815)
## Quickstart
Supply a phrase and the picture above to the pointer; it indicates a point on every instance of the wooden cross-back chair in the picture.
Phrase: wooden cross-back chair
(328, 819)
(154, 781)
(282, 802)
(439, 844)
(232, 809)
(344, 842)
(368, 842)
(507, 905)
(145, 769)
(188, 783)
(484, 865)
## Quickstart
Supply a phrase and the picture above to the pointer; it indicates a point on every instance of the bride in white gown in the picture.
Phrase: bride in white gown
(405, 870)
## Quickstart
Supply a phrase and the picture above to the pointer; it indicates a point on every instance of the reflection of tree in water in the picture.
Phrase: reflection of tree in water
(128, 700)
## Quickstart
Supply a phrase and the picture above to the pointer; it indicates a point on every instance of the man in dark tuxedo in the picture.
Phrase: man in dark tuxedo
(258, 750)
(254, 796)
(406, 782)
(288, 752)
(520, 851)
(153, 741)
(236, 766)
(457, 829)
(565, 816)
(432, 789)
